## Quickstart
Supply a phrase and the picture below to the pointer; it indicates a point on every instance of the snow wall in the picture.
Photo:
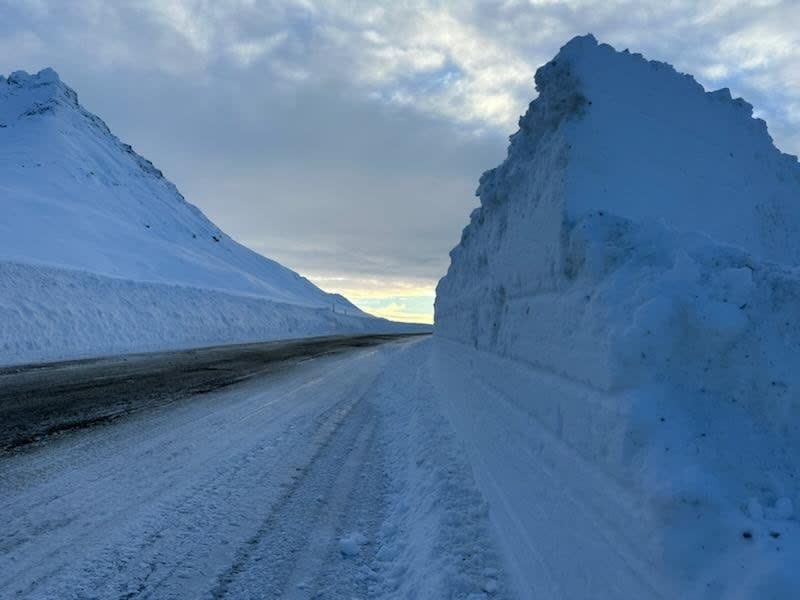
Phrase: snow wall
(50, 314)
(619, 338)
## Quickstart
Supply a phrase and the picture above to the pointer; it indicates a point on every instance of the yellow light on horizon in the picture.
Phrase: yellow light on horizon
(399, 314)
(398, 300)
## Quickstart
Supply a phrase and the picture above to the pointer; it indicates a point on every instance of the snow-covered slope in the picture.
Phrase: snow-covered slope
(619, 333)
(74, 197)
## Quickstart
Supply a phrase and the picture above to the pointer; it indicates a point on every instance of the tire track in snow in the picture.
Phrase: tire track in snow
(296, 536)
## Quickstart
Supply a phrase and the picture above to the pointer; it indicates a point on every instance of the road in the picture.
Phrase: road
(263, 471)
(38, 401)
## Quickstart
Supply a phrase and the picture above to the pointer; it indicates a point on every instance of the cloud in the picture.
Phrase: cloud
(186, 19)
(410, 310)
(435, 62)
(467, 62)
(247, 51)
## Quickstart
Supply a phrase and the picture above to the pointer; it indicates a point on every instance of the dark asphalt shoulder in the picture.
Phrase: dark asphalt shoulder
(44, 400)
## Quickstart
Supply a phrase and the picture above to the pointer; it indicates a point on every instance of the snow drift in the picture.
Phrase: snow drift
(75, 198)
(619, 333)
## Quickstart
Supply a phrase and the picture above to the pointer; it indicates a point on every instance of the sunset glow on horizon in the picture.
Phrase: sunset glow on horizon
(397, 300)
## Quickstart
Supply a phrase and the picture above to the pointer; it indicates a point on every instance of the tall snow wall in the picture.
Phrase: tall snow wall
(619, 337)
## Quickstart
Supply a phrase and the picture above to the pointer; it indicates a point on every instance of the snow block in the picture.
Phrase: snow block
(624, 305)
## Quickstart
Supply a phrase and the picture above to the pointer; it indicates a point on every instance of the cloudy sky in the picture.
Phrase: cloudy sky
(345, 139)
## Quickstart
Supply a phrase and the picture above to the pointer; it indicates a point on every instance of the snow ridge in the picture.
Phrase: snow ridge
(80, 198)
(27, 95)
(725, 173)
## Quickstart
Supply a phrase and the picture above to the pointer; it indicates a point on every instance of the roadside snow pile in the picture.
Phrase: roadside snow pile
(618, 335)
(74, 197)
(435, 540)
(54, 314)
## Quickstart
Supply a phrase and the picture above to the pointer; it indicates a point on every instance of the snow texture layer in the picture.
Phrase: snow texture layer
(75, 197)
(618, 336)
(435, 540)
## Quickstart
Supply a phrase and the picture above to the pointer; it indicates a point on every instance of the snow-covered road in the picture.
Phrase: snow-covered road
(336, 478)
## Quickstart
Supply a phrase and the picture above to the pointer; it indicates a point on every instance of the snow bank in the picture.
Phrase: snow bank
(77, 201)
(435, 540)
(49, 314)
(618, 337)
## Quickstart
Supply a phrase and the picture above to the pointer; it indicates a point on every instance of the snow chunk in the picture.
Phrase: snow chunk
(350, 544)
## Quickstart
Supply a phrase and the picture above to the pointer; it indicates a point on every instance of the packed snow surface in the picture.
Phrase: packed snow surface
(77, 199)
(618, 338)
(337, 478)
